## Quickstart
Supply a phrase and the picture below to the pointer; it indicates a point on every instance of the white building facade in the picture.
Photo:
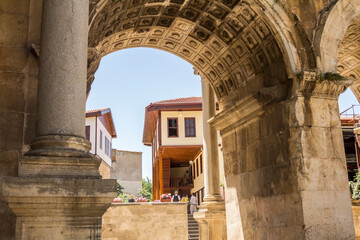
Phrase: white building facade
(100, 130)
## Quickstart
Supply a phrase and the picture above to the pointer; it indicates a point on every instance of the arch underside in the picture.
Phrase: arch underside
(349, 56)
(229, 42)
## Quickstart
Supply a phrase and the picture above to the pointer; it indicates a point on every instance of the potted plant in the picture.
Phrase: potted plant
(141, 199)
(117, 200)
(166, 197)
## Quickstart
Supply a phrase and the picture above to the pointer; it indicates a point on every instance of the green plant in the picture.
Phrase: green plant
(330, 76)
(120, 189)
(323, 76)
(124, 197)
(146, 190)
(355, 187)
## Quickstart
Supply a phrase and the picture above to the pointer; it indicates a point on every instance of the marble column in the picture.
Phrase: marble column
(210, 146)
(62, 95)
(211, 216)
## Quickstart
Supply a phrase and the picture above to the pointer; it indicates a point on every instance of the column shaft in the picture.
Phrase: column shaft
(210, 146)
(60, 132)
(211, 216)
(63, 68)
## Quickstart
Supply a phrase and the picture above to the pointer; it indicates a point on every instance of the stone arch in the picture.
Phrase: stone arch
(336, 44)
(331, 34)
(232, 43)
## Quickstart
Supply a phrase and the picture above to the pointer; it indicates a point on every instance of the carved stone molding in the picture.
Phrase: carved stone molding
(311, 84)
(244, 111)
(267, 95)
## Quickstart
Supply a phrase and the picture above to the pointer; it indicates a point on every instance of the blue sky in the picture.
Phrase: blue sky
(129, 80)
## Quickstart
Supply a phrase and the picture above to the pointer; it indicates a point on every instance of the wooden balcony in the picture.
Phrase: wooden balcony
(181, 183)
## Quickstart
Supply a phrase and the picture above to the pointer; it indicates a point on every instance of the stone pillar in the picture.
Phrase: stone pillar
(318, 158)
(62, 95)
(58, 194)
(285, 165)
(211, 216)
(210, 146)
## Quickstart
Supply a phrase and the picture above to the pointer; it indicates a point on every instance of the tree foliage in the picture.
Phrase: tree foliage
(146, 190)
(355, 187)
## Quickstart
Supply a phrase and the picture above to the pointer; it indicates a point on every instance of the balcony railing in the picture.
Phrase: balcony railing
(181, 182)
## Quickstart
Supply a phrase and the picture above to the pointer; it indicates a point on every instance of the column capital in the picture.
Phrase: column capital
(317, 84)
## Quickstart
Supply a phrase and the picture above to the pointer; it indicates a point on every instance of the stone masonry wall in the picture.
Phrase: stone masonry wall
(144, 221)
(356, 215)
(104, 170)
(285, 173)
(20, 22)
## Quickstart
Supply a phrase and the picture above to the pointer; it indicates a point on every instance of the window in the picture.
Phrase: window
(110, 150)
(87, 132)
(190, 127)
(201, 164)
(193, 170)
(100, 139)
(173, 127)
(107, 145)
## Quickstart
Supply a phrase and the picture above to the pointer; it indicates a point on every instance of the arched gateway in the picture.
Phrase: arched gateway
(266, 62)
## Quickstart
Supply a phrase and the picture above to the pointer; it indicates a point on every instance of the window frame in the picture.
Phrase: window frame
(106, 146)
(177, 127)
(190, 118)
(87, 132)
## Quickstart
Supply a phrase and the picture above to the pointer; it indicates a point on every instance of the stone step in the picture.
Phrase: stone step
(194, 235)
(193, 228)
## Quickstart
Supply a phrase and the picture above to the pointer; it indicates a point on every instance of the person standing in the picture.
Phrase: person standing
(175, 197)
(193, 204)
(185, 199)
(131, 200)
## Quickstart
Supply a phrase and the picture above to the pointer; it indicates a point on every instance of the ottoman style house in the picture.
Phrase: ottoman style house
(100, 130)
(173, 128)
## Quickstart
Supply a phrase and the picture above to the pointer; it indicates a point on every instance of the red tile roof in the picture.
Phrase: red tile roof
(106, 113)
(97, 110)
(187, 100)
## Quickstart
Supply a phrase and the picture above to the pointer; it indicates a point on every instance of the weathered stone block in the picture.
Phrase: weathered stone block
(11, 126)
(161, 221)
(9, 163)
(14, 29)
(11, 92)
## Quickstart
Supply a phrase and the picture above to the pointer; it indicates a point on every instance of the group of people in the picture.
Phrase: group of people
(192, 203)
(177, 198)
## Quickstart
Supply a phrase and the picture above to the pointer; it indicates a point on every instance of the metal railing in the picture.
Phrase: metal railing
(351, 114)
